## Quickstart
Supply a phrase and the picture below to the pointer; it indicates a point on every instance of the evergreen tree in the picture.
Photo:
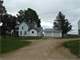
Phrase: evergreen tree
(62, 24)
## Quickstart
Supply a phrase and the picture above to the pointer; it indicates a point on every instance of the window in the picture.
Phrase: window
(20, 32)
(22, 27)
(25, 32)
(33, 32)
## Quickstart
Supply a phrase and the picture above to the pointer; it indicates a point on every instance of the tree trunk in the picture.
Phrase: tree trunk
(62, 35)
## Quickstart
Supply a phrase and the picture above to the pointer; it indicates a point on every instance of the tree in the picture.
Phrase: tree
(2, 8)
(29, 15)
(2, 13)
(9, 23)
(62, 24)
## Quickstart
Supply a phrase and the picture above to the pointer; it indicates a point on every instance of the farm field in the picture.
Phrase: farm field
(43, 49)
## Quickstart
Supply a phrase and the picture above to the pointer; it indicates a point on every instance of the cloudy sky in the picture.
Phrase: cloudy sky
(48, 9)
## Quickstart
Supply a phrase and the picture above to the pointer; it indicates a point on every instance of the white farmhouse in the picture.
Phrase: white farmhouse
(79, 27)
(26, 29)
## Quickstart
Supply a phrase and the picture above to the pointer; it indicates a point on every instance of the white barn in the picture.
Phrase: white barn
(24, 29)
(79, 27)
(52, 33)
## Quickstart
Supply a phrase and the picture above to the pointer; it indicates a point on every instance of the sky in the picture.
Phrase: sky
(48, 10)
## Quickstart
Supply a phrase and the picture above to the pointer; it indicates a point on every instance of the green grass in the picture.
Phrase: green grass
(8, 44)
(74, 47)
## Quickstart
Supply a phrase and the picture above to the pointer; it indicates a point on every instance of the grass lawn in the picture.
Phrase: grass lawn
(8, 44)
(74, 46)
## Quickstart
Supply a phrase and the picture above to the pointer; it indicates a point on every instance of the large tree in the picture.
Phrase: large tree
(2, 13)
(62, 24)
(2, 10)
(29, 15)
(9, 23)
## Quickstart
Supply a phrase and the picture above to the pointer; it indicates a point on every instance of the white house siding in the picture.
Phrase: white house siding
(57, 34)
(32, 32)
(54, 34)
(23, 29)
(48, 34)
(28, 30)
